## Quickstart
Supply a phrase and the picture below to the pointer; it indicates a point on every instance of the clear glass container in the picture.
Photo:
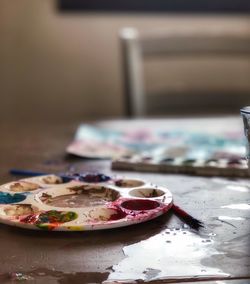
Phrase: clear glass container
(245, 113)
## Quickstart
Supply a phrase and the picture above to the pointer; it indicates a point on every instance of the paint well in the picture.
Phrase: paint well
(7, 198)
(82, 196)
(146, 192)
(23, 186)
(140, 204)
(19, 210)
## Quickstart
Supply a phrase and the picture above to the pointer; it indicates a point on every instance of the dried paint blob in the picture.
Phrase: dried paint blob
(95, 178)
(7, 198)
(52, 179)
(82, 196)
(128, 183)
(23, 186)
(55, 216)
(106, 214)
(19, 210)
(50, 219)
(91, 178)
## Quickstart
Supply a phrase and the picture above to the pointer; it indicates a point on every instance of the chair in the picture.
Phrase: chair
(138, 47)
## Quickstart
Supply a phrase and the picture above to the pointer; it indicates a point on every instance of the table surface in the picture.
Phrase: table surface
(163, 250)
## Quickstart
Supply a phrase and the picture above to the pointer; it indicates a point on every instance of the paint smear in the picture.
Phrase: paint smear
(152, 259)
(49, 220)
(240, 206)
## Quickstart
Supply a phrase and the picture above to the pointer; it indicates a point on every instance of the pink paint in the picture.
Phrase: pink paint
(119, 214)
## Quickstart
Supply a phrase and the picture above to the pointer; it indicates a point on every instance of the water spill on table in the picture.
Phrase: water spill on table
(239, 188)
(168, 255)
(225, 218)
(240, 206)
(220, 252)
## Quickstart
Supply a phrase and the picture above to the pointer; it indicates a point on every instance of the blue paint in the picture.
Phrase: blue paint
(66, 177)
(7, 198)
(91, 177)
(167, 160)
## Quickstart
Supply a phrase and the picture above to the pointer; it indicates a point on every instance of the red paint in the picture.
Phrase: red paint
(119, 214)
(119, 182)
(34, 219)
(134, 208)
(234, 162)
(140, 204)
(49, 219)
(30, 219)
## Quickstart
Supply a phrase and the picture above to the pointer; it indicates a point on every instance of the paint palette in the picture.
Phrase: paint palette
(47, 202)
(206, 147)
(235, 167)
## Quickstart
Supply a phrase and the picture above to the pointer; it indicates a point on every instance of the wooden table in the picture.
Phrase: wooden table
(160, 251)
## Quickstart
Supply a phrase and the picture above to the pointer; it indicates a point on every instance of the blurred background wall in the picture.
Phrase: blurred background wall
(62, 66)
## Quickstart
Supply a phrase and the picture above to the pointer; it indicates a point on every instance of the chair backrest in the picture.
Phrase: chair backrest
(135, 47)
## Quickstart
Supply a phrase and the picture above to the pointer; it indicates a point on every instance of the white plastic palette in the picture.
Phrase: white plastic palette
(45, 202)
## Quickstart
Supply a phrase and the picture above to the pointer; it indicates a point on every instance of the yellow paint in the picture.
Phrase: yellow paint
(75, 228)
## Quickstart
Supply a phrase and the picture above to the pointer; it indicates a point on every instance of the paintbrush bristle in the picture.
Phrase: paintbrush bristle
(188, 219)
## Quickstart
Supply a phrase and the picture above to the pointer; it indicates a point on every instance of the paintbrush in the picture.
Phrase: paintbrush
(187, 218)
